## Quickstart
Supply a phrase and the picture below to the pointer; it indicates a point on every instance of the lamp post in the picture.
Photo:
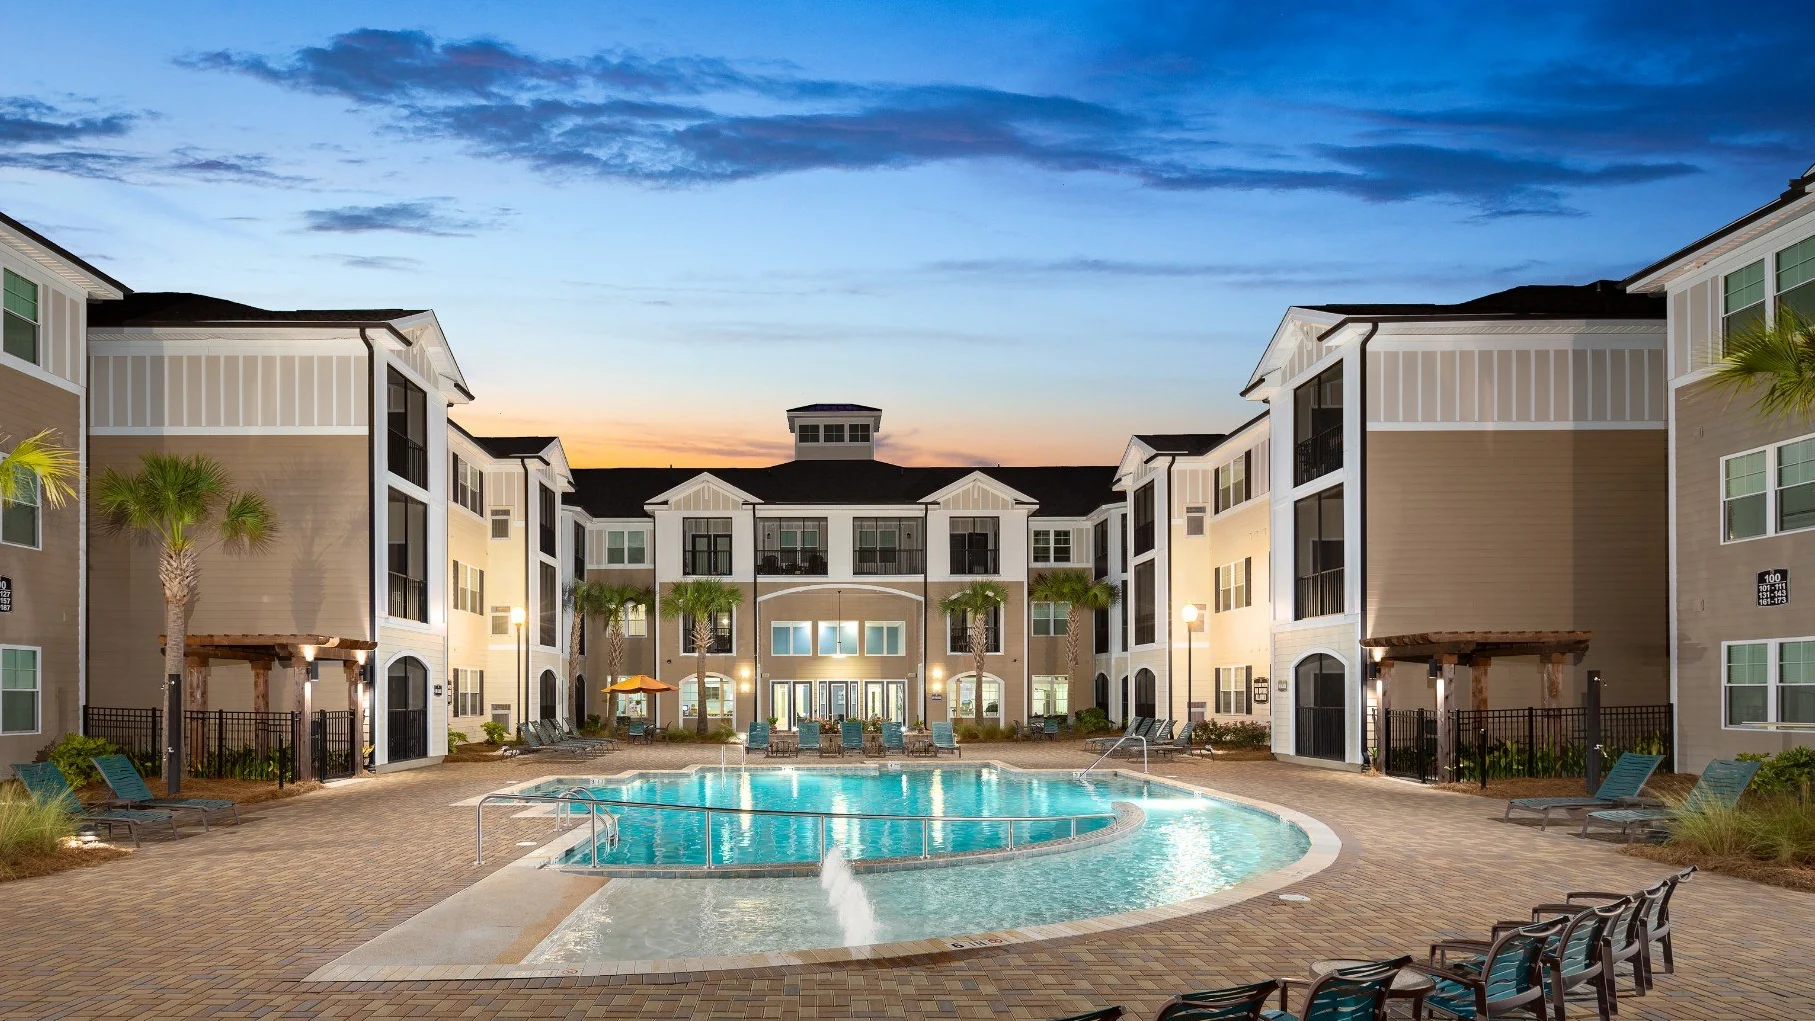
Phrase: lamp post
(518, 616)
(1188, 613)
(356, 701)
(305, 745)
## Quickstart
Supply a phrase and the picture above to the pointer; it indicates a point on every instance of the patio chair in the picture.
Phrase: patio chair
(1134, 725)
(129, 791)
(1050, 728)
(1357, 993)
(850, 736)
(1104, 1014)
(808, 734)
(550, 733)
(1647, 921)
(1576, 955)
(637, 730)
(45, 784)
(1721, 784)
(1236, 1003)
(1180, 745)
(943, 740)
(533, 741)
(893, 739)
(1157, 732)
(1624, 781)
(1507, 980)
(567, 735)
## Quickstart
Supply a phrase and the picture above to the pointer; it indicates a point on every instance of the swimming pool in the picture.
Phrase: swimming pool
(1188, 845)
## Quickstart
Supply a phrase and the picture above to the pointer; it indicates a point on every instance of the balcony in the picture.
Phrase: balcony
(888, 560)
(409, 597)
(974, 561)
(1317, 456)
(1318, 594)
(796, 560)
(706, 562)
(407, 459)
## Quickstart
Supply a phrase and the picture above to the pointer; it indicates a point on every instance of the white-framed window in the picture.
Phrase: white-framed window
(1769, 681)
(965, 707)
(807, 432)
(1194, 520)
(1052, 545)
(469, 692)
(1742, 298)
(466, 483)
(838, 638)
(724, 635)
(500, 620)
(719, 693)
(19, 335)
(1232, 690)
(635, 621)
(469, 588)
(20, 685)
(1051, 619)
(1796, 277)
(858, 432)
(833, 432)
(1234, 585)
(884, 637)
(500, 522)
(1052, 695)
(791, 638)
(1232, 482)
(626, 547)
(21, 517)
(1768, 491)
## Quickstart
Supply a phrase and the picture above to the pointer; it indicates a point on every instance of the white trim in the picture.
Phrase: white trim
(1561, 426)
(233, 430)
(821, 586)
(1773, 686)
(37, 652)
(39, 373)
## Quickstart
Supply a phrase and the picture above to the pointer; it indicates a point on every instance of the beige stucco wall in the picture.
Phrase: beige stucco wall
(1240, 637)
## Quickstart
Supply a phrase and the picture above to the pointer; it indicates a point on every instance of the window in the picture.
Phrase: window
(1796, 278)
(548, 607)
(807, 433)
(721, 644)
(500, 522)
(859, 432)
(545, 521)
(974, 545)
(1051, 619)
(888, 546)
(966, 707)
(469, 588)
(1194, 521)
(1743, 497)
(1748, 683)
(1121, 529)
(469, 692)
(21, 328)
(1144, 594)
(1743, 302)
(718, 696)
(1796, 682)
(1769, 491)
(1770, 682)
(1232, 690)
(466, 484)
(1052, 695)
(1232, 481)
(958, 634)
(838, 638)
(19, 517)
(500, 620)
(791, 546)
(1100, 631)
(1317, 426)
(635, 621)
(626, 546)
(1143, 519)
(706, 546)
(1317, 549)
(1796, 485)
(1233, 583)
(833, 432)
(884, 638)
(790, 638)
(407, 537)
(1099, 548)
(18, 690)
(1052, 545)
(579, 551)
(407, 422)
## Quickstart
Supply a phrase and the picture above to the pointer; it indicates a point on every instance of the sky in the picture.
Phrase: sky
(1023, 230)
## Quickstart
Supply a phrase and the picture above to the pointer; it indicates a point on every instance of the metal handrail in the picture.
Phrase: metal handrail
(824, 817)
(1085, 772)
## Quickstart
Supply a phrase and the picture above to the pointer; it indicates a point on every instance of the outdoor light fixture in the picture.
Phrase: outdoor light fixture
(359, 656)
(1188, 614)
(88, 835)
(518, 615)
(308, 652)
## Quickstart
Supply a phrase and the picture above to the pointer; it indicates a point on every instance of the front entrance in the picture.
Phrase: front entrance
(406, 710)
(1321, 688)
(885, 700)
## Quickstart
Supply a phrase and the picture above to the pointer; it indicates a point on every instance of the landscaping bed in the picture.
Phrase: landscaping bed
(1666, 786)
(1793, 877)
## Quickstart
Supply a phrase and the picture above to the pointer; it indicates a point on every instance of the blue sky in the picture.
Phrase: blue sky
(1024, 230)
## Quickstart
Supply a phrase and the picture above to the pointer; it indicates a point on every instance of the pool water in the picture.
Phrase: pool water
(1190, 845)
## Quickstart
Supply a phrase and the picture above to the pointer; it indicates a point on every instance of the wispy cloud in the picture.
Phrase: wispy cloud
(421, 217)
(28, 121)
(396, 263)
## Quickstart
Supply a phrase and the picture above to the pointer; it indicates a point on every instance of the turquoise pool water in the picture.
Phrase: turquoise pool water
(1189, 846)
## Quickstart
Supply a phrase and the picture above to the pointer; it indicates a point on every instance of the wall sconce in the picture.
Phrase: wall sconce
(308, 652)
(359, 655)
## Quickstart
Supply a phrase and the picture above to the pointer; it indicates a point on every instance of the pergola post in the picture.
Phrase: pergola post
(355, 674)
(1552, 695)
(303, 705)
(1478, 667)
(261, 685)
(1446, 733)
(195, 685)
(1381, 703)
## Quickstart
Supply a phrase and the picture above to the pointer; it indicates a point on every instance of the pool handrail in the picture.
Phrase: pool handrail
(564, 799)
(1084, 774)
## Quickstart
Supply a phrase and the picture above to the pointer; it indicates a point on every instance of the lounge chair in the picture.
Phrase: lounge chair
(1178, 746)
(1134, 727)
(45, 783)
(533, 741)
(129, 791)
(1624, 781)
(1157, 732)
(943, 740)
(551, 736)
(1050, 728)
(892, 739)
(850, 736)
(1236, 1003)
(1721, 784)
(808, 734)
(554, 731)
(760, 740)
(1356, 993)
(1507, 980)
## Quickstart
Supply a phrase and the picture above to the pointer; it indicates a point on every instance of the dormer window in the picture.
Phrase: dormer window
(834, 432)
(808, 433)
(860, 432)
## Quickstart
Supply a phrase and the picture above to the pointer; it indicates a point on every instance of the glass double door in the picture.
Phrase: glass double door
(794, 701)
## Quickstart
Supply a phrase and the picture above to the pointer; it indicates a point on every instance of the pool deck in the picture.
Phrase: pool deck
(232, 923)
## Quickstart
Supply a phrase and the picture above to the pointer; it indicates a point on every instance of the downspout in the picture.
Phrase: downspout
(523, 716)
(371, 544)
(926, 542)
(1361, 492)
(1171, 654)
(756, 649)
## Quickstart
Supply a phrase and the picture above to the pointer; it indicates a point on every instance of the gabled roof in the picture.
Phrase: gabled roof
(65, 263)
(514, 446)
(175, 308)
(1186, 444)
(831, 407)
(1732, 235)
(1602, 299)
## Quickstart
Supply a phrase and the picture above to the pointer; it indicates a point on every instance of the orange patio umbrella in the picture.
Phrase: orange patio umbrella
(641, 684)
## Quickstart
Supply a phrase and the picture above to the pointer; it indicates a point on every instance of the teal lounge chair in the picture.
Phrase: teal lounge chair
(533, 741)
(1134, 728)
(892, 739)
(809, 736)
(45, 783)
(943, 740)
(555, 734)
(1624, 781)
(850, 736)
(1356, 993)
(757, 740)
(1721, 783)
(130, 790)
(1505, 981)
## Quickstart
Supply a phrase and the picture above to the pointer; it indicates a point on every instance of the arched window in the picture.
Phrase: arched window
(965, 708)
(1320, 690)
(1099, 692)
(719, 694)
(1145, 695)
(550, 695)
(406, 710)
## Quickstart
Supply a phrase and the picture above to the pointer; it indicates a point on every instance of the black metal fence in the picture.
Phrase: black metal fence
(1408, 743)
(228, 743)
(331, 744)
(1529, 742)
(408, 734)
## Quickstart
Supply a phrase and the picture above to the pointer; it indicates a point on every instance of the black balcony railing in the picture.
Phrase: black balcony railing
(1318, 456)
(1318, 594)
(894, 560)
(711, 563)
(1320, 732)
(974, 561)
(791, 560)
(409, 597)
(408, 731)
(408, 459)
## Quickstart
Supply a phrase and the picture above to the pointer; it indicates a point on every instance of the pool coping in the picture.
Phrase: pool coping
(1324, 848)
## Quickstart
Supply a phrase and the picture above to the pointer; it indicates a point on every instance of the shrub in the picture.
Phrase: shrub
(1240, 734)
(971, 732)
(72, 753)
(456, 738)
(495, 732)
(28, 829)
(1771, 828)
(1783, 773)
(1093, 721)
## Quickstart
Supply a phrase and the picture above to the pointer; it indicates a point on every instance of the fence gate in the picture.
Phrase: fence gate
(331, 744)
(1410, 747)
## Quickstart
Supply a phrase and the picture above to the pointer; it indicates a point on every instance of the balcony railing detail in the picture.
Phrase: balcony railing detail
(888, 560)
(975, 561)
(407, 459)
(1318, 594)
(1318, 456)
(807, 560)
(409, 597)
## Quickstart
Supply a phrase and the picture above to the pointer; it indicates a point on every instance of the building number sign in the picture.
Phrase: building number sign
(6, 595)
(1774, 587)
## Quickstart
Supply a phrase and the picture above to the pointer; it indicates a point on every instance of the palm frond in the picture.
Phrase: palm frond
(1774, 360)
(979, 597)
(55, 469)
(702, 598)
(248, 522)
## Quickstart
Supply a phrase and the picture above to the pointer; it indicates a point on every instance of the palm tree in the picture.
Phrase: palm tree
(976, 602)
(1778, 356)
(614, 604)
(1080, 595)
(172, 498)
(38, 467)
(701, 601)
(582, 599)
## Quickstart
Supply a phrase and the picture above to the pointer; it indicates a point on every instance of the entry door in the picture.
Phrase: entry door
(780, 705)
(897, 701)
(875, 703)
(803, 702)
(838, 700)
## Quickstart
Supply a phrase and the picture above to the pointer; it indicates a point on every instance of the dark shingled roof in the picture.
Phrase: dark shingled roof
(1603, 299)
(833, 407)
(174, 308)
(1067, 491)
(1189, 444)
(513, 446)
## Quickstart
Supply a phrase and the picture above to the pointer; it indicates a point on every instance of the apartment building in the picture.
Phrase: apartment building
(43, 549)
(1741, 494)
(1470, 496)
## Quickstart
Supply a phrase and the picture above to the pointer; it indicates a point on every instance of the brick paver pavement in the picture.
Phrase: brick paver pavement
(226, 925)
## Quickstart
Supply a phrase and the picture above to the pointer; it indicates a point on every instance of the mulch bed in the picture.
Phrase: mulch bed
(1662, 785)
(63, 858)
(1771, 873)
(244, 792)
